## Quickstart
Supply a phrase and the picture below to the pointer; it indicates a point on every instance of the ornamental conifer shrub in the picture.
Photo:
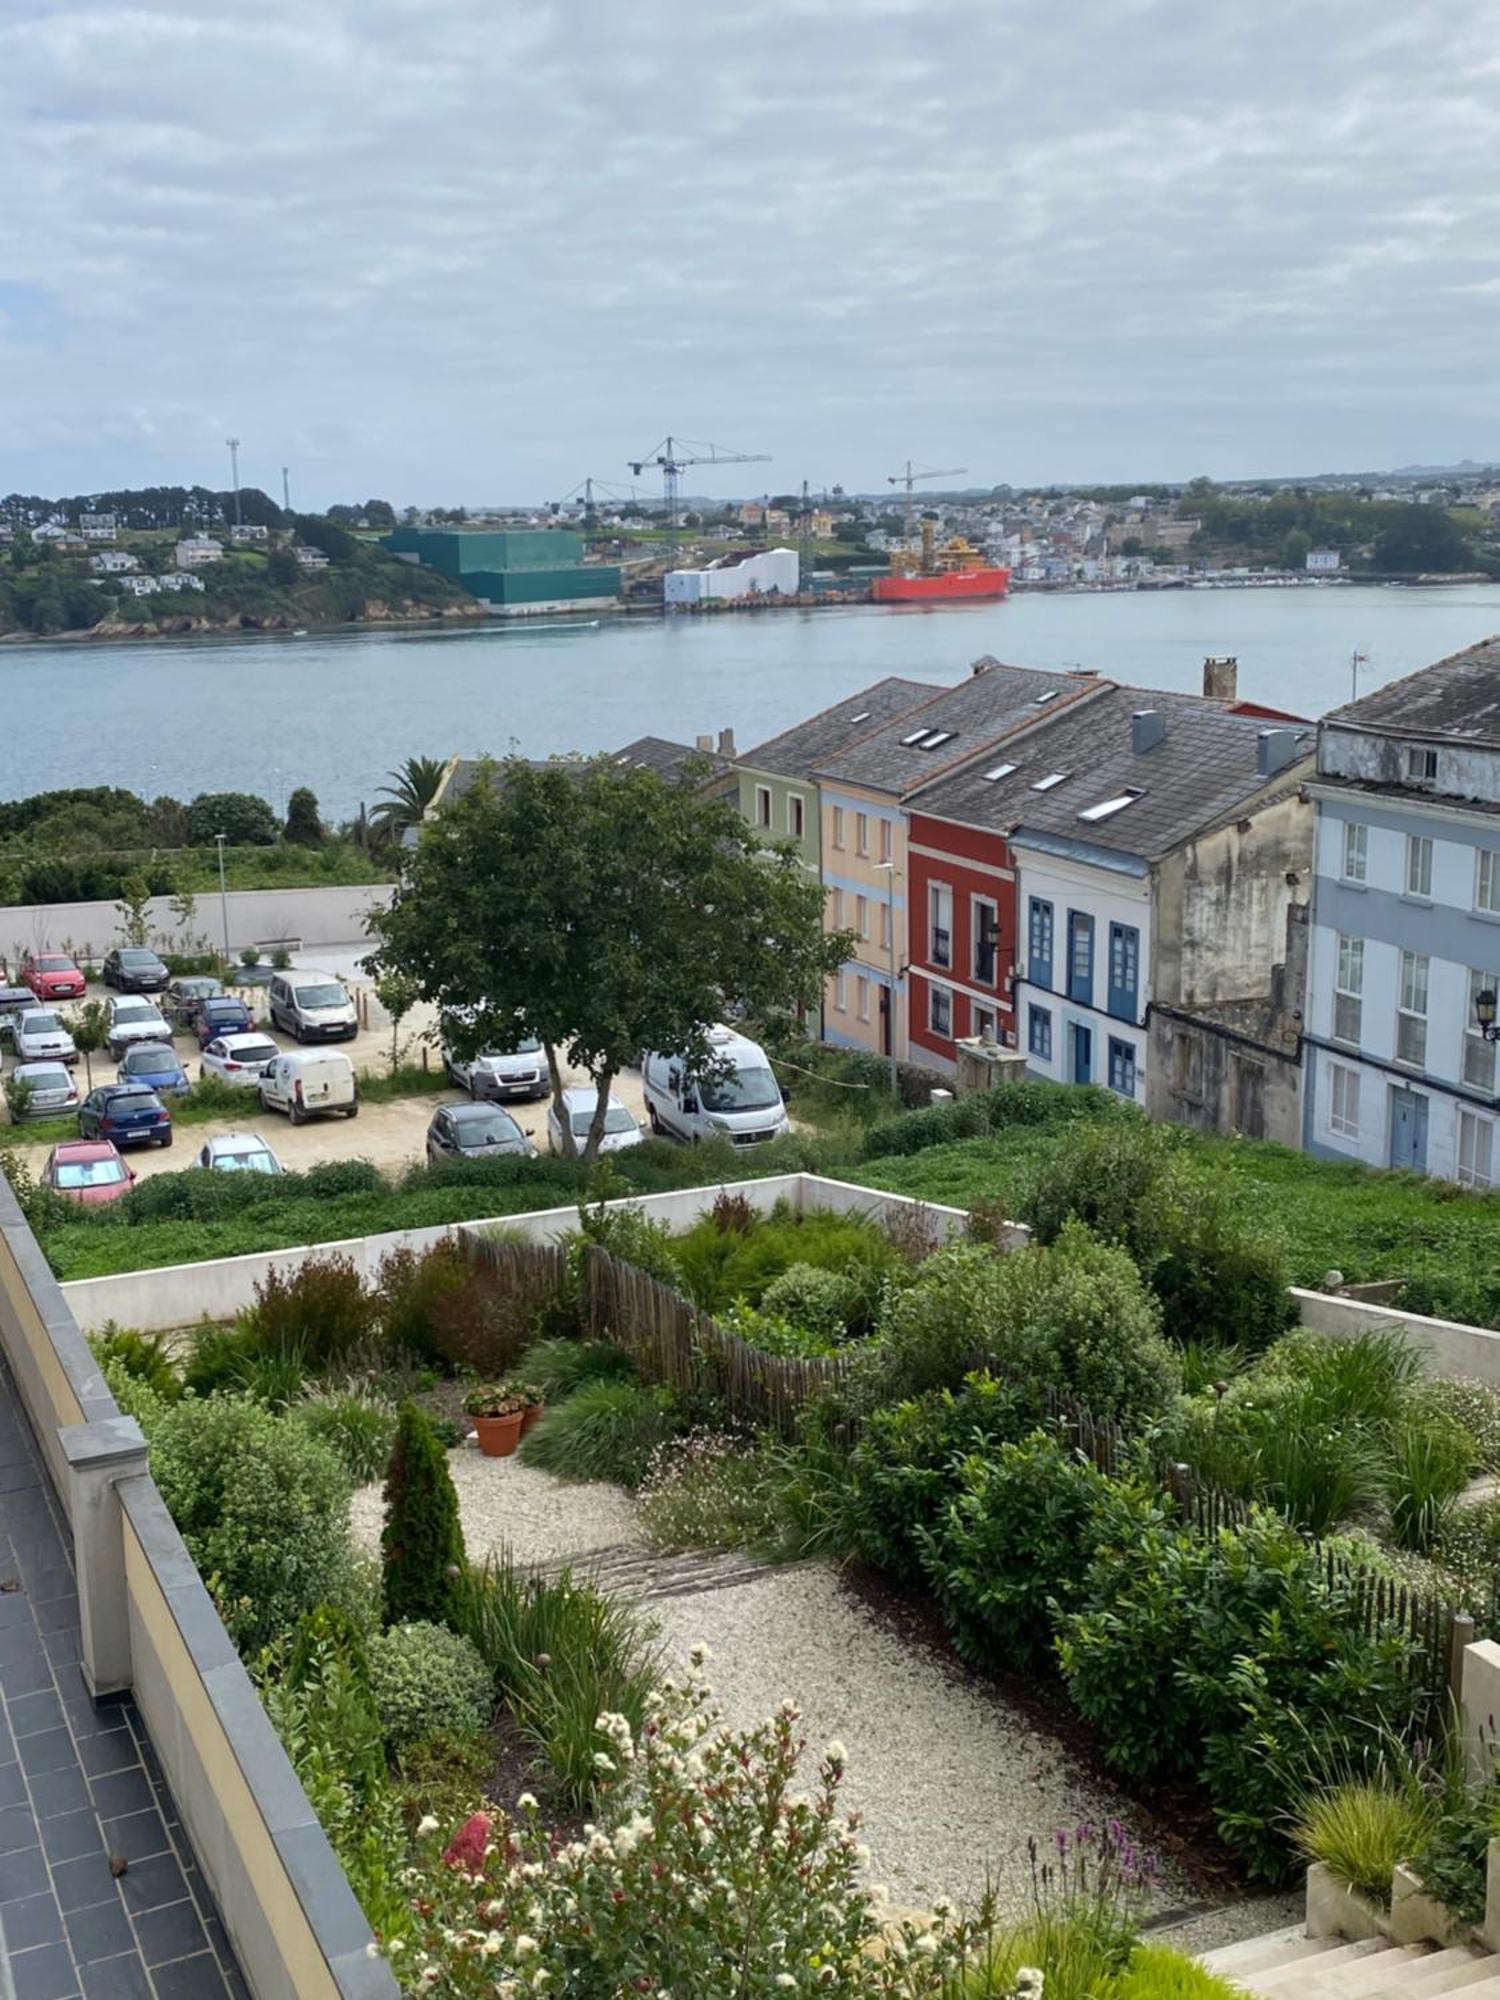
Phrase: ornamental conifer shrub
(422, 1543)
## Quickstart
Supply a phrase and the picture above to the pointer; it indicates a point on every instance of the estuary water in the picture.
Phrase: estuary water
(338, 710)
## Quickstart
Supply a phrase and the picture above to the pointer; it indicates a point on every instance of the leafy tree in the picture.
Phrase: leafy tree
(318, 533)
(604, 911)
(1294, 550)
(135, 924)
(244, 819)
(282, 569)
(411, 791)
(1421, 538)
(422, 1543)
(90, 1034)
(303, 826)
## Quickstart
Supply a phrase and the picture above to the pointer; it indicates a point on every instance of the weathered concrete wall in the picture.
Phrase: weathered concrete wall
(1464, 771)
(1205, 1075)
(317, 916)
(1221, 905)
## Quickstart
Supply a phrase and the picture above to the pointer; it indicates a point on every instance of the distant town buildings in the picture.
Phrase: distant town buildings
(193, 551)
(309, 558)
(1324, 562)
(113, 562)
(249, 531)
(97, 527)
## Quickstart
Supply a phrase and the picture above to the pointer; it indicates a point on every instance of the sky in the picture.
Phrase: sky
(444, 251)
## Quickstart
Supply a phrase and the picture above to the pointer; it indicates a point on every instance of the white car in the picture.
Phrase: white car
(620, 1129)
(520, 1071)
(40, 1036)
(238, 1153)
(238, 1059)
(132, 1019)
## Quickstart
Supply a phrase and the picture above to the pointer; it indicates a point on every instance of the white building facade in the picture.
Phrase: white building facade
(1083, 965)
(772, 572)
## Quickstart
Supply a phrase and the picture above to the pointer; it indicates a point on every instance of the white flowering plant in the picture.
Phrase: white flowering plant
(709, 1872)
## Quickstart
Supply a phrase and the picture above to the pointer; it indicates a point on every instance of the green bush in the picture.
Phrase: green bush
(1156, 1972)
(359, 1425)
(263, 1508)
(1431, 1461)
(709, 1491)
(319, 1312)
(141, 1355)
(773, 1333)
(1474, 1405)
(1107, 1174)
(559, 1366)
(720, 1265)
(426, 1678)
(1468, 1547)
(328, 1178)
(1359, 1829)
(820, 1302)
(421, 1542)
(986, 1112)
(604, 1430)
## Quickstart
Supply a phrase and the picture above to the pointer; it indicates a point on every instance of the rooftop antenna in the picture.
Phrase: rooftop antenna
(1357, 659)
(286, 491)
(234, 474)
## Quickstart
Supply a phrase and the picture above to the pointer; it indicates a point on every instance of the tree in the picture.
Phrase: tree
(1421, 539)
(133, 911)
(1294, 549)
(90, 1034)
(282, 568)
(398, 993)
(318, 533)
(303, 827)
(422, 1542)
(244, 819)
(409, 794)
(605, 912)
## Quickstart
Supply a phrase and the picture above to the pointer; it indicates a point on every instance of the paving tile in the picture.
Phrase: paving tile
(196, 1978)
(49, 1750)
(136, 1835)
(15, 1606)
(173, 1931)
(100, 1930)
(84, 1881)
(28, 1670)
(114, 1750)
(23, 1873)
(16, 1474)
(57, 1612)
(87, 1717)
(64, 1645)
(151, 1883)
(17, 1828)
(12, 1785)
(123, 1978)
(71, 1835)
(43, 1974)
(120, 1792)
(54, 1792)
(46, 1583)
(31, 1920)
(29, 1714)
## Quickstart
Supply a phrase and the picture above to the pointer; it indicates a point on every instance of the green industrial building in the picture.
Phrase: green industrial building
(512, 571)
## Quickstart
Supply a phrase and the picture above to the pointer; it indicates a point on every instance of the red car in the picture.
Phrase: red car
(51, 975)
(87, 1170)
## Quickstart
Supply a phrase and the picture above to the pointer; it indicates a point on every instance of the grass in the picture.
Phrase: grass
(1360, 1829)
(604, 1430)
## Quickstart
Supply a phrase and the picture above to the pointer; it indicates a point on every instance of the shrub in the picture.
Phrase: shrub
(1361, 1828)
(1008, 1551)
(627, 1233)
(1468, 1547)
(986, 1112)
(320, 1312)
(1451, 1858)
(263, 1508)
(409, 1285)
(773, 1333)
(604, 1430)
(421, 1543)
(359, 1425)
(1269, 1438)
(444, 1774)
(327, 1178)
(1105, 1173)
(1220, 1279)
(1474, 1405)
(141, 1355)
(1156, 1972)
(560, 1366)
(820, 1302)
(711, 1491)
(1431, 1461)
(426, 1678)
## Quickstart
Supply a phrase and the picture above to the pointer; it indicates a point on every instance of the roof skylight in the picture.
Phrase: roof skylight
(936, 737)
(1052, 778)
(915, 737)
(863, 716)
(1050, 695)
(1107, 808)
(1000, 771)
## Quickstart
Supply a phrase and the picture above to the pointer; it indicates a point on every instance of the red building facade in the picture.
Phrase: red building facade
(961, 932)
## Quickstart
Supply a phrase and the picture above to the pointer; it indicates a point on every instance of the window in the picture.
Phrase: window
(885, 927)
(940, 919)
(1487, 881)
(836, 908)
(885, 840)
(1039, 1032)
(838, 826)
(1418, 865)
(1411, 1010)
(862, 988)
(1348, 989)
(1343, 1101)
(796, 815)
(1187, 1066)
(1052, 778)
(940, 1010)
(1107, 808)
(986, 1024)
(1421, 765)
(861, 833)
(1476, 1145)
(985, 918)
(862, 915)
(1000, 771)
(1040, 943)
(841, 992)
(1356, 851)
(1122, 1067)
(1124, 970)
(1479, 1055)
(1080, 957)
(763, 805)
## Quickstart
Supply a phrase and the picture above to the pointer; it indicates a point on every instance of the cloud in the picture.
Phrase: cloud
(449, 249)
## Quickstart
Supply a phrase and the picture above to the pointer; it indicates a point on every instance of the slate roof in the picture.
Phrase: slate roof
(798, 752)
(1206, 766)
(653, 753)
(979, 711)
(1458, 698)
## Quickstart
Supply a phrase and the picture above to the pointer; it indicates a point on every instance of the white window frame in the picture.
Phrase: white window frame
(1348, 987)
(1343, 1100)
(885, 839)
(1487, 880)
(862, 989)
(841, 991)
(837, 836)
(1479, 1055)
(1421, 764)
(1356, 851)
(796, 815)
(938, 993)
(1474, 1159)
(862, 834)
(862, 915)
(763, 808)
(1419, 866)
(1411, 1009)
(939, 901)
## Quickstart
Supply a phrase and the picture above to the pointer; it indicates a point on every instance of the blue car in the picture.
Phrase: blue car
(156, 1066)
(125, 1112)
(221, 1014)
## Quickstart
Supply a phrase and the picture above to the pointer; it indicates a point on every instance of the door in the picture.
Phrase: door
(1409, 1131)
(1081, 1062)
(885, 1020)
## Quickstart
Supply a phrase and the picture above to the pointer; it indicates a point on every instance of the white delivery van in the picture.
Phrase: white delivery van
(738, 1098)
(308, 1083)
(312, 1007)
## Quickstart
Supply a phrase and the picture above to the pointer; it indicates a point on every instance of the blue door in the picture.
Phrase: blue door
(1409, 1131)
(1082, 1065)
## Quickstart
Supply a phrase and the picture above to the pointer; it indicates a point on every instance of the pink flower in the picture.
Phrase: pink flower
(466, 1849)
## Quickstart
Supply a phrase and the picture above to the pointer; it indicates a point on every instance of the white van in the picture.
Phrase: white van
(739, 1099)
(312, 1007)
(309, 1083)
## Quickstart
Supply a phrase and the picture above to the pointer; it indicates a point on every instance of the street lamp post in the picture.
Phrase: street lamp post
(888, 869)
(219, 840)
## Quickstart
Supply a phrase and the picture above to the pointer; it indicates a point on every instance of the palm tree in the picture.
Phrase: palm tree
(407, 797)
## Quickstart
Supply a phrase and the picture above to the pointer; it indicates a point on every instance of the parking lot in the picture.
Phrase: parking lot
(390, 1135)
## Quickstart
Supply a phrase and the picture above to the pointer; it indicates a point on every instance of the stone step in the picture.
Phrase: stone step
(1338, 1970)
(1264, 1953)
(1457, 1970)
(1288, 1965)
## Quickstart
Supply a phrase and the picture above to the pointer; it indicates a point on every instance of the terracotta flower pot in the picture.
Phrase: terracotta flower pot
(499, 1436)
(531, 1416)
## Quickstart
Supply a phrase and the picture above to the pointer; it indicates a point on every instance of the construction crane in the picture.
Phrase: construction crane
(590, 506)
(909, 478)
(675, 454)
(805, 512)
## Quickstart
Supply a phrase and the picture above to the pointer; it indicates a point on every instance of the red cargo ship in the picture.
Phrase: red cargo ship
(955, 571)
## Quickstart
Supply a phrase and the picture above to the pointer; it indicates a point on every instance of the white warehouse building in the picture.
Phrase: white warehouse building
(774, 572)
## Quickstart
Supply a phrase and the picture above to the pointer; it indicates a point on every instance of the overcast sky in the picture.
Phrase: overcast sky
(443, 250)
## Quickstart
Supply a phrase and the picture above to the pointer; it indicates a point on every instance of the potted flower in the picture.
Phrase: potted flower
(497, 1418)
(532, 1401)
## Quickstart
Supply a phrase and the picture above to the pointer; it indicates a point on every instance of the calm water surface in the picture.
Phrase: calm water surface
(336, 711)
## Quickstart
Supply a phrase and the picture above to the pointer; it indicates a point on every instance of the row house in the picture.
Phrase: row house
(1404, 954)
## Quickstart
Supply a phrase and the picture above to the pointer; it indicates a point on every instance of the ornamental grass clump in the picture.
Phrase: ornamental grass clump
(1361, 1828)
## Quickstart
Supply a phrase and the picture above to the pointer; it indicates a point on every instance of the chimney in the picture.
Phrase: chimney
(1275, 749)
(706, 745)
(1221, 677)
(726, 744)
(1147, 729)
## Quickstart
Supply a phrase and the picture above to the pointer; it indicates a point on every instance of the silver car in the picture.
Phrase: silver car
(620, 1129)
(238, 1059)
(134, 1020)
(238, 1153)
(40, 1036)
(49, 1089)
(499, 1073)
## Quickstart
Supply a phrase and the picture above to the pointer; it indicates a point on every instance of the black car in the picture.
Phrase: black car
(187, 994)
(132, 969)
(126, 1113)
(476, 1132)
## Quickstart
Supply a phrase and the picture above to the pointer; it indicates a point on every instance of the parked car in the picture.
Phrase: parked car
(238, 1153)
(40, 1036)
(51, 975)
(221, 1014)
(156, 1065)
(238, 1059)
(308, 1084)
(620, 1129)
(127, 1113)
(737, 1097)
(132, 1021)
(87, 1170)
(520, 1071)
(476, 1132)
(14, 1001)
(50, 1090)
(133, 969)
(186, 995)
(312, 1007)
